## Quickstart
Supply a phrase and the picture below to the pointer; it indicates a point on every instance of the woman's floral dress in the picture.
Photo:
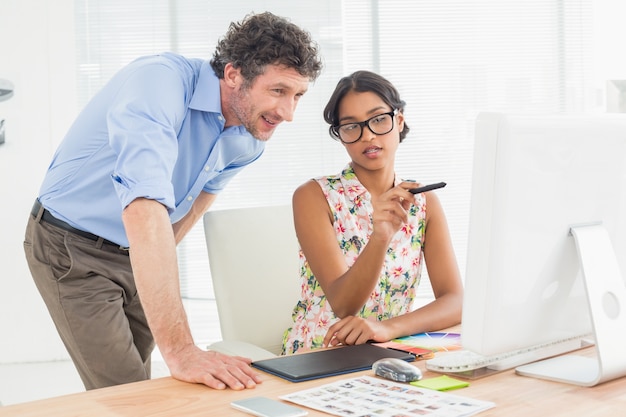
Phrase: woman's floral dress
(351, 206)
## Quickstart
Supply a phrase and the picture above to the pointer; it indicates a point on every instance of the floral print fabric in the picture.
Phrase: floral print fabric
(351, 206)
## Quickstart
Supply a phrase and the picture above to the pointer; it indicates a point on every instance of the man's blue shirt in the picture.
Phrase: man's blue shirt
(155, 130)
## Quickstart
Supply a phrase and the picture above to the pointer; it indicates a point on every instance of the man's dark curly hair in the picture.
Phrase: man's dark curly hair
(266, 39)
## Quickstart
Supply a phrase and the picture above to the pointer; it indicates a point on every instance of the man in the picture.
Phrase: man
(138, 168)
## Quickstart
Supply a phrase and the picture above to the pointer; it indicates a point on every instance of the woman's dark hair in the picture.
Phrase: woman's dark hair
(266, 39)
(361, 82)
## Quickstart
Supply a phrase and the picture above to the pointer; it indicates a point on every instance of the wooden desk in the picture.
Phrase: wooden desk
(513, 395)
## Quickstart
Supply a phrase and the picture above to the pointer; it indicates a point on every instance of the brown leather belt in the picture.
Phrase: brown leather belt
(50, 219)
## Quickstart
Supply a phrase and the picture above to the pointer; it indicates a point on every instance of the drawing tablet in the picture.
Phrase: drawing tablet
(328, 362)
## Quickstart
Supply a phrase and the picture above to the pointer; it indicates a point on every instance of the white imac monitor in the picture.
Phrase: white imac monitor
(547, 243)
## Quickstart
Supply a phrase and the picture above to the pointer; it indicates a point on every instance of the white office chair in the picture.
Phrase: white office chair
(253, 258)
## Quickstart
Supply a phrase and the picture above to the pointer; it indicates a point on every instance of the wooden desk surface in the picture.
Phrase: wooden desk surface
(513, 395)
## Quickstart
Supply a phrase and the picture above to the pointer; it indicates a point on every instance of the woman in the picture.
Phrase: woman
(364, 236)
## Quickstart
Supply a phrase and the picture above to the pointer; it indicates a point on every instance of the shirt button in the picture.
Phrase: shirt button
(220, 118)
(189, 198)
(207, 169)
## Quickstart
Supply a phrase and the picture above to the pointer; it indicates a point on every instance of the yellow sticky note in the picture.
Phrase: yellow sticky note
(441, 383)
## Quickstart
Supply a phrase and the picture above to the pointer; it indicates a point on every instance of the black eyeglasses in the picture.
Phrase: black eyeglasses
(380, 124)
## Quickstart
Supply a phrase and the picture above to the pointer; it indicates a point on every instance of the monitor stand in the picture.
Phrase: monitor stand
(606, 294)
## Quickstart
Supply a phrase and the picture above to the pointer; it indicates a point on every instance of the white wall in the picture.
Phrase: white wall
(37, 55)
(609, 40)
(608, 46)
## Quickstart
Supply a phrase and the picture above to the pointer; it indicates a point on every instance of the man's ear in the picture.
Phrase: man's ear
(232, 76)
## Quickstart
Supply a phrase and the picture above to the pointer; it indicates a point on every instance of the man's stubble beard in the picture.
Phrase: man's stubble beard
(241, 105)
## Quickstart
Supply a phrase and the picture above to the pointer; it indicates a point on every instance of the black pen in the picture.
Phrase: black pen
(428, 187)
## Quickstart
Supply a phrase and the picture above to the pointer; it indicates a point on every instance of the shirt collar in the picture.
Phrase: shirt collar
(353, 188)
(206, 95)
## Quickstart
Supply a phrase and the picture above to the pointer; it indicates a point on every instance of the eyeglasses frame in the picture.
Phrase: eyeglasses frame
(334, 130)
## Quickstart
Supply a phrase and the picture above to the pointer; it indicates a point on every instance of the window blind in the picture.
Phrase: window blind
(450, 59)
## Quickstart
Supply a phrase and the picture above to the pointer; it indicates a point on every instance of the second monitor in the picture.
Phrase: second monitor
(547, 243)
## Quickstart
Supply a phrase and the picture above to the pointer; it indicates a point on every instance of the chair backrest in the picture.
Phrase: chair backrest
(253, 258)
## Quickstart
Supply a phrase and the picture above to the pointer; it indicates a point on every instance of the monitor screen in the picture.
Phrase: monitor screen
(534, 178)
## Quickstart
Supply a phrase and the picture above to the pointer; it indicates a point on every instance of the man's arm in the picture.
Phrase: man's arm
(155, 268)
(200, 206)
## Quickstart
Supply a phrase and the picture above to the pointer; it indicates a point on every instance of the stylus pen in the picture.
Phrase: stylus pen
(428, 187)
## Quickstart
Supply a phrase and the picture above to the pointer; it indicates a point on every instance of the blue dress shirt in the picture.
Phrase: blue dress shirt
(155, 130)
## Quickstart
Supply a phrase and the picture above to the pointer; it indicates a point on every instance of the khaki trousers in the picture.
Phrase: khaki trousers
(90, 293)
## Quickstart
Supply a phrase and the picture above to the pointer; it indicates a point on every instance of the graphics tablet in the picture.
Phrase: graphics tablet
(328, 362)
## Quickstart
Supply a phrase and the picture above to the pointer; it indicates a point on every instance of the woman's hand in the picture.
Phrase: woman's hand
(353, 330)
(391, 210)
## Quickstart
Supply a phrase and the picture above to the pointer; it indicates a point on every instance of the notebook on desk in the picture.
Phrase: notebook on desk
(328, 362)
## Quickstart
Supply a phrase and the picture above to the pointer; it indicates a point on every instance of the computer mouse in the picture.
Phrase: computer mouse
(396, 370)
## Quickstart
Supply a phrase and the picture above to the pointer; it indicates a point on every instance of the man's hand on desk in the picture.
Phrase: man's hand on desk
(213, 369)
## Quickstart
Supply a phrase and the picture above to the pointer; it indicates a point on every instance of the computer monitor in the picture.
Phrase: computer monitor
(546, 256)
